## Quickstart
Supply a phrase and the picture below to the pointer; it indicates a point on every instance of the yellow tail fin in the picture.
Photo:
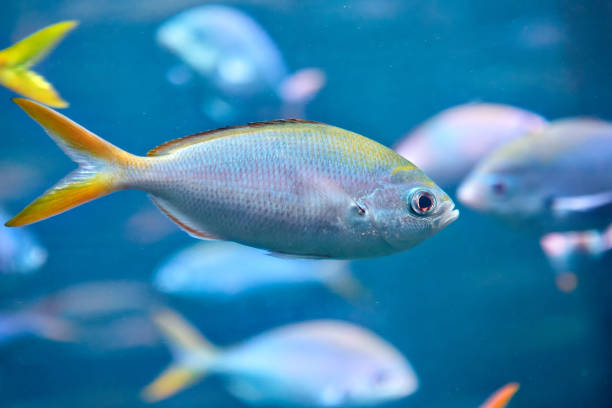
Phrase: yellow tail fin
(501, 397)
(99, 166)
(192, 354)
(16, 60)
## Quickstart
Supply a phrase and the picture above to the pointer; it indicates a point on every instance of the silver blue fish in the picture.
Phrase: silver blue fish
(293, 187)
(236, 56)
(221, 270)
(558, 179)
(322, 363)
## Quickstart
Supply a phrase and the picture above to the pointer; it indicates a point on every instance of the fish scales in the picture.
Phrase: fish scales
(292, 187)
(262, 181)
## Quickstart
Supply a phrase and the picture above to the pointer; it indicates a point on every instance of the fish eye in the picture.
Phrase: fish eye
(422, 202)
(379, 377)
(499, 188)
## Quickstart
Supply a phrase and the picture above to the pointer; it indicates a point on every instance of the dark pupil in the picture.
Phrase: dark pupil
(499, 188)
(424, 202)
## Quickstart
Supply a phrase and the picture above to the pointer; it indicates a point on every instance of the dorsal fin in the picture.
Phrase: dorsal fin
(216, 133)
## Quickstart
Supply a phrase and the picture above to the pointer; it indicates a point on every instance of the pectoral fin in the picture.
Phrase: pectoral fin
(582, 203)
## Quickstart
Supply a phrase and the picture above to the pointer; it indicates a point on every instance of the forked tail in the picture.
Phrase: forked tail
(192, 354)
(16, 61)
(101, 171)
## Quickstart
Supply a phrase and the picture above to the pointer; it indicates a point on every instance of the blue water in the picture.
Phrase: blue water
(472, 308)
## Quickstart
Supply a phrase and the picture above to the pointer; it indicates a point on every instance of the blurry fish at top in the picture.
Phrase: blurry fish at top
(501, 397)
(221, 270)
(322, 363)
(447, 146)
(16, 61)
(238, 61)
(570, 253)
(557, 179)
(101, 316)
(20, 251)
(295, 188)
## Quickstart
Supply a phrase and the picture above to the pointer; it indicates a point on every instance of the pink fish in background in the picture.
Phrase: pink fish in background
(448, 146)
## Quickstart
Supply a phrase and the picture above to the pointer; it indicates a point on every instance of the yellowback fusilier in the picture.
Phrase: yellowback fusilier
(293, 187)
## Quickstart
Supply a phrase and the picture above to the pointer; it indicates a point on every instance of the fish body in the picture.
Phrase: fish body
(316, 363)
(221, 270)
(293, 187)
(20, 251)
(16, 61)
(558, 179)
(226, 46)
(237, 59)
(448, 146)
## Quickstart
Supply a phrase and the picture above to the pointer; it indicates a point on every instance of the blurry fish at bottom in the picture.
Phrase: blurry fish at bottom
(317, 363)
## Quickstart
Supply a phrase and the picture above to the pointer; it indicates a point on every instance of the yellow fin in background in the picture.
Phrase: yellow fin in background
(501, 397)
(174, 379)
(98, 164)
(186, 344)
(16, 60)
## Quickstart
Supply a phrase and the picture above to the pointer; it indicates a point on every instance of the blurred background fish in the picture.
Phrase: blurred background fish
(208, 270)
(317, 363)
(101, 316)
(242, 67)
(557, 179)
(448, 146)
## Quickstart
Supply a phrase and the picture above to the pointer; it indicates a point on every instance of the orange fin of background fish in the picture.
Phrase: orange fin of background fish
(180, 220)
(94, 178)
(16, 60)
(184, 340)
(501, 397)
(182, 142)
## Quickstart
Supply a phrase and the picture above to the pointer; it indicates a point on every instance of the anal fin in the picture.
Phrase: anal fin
(181, 220)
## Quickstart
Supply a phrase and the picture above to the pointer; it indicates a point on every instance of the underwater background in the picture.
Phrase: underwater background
(471, 308)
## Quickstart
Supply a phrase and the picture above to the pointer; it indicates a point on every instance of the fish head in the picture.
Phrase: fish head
(506, 185)
(382, 380)
(191, 36)
(409, 207)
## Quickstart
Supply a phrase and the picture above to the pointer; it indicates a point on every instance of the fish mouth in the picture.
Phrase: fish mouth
(447, 217)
